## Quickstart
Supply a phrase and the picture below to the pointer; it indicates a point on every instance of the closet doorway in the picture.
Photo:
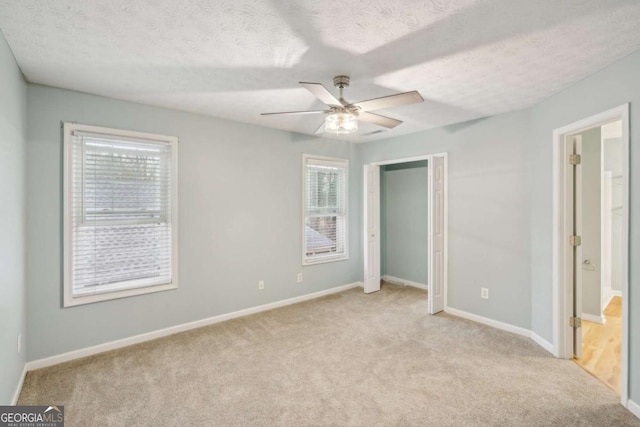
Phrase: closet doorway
(414, 255)
(404, 227)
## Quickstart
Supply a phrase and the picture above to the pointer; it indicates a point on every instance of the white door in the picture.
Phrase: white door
(575, 177)
(436, 235)
(372, 229)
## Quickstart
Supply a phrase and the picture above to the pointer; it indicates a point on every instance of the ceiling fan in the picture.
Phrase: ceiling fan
(343, 116)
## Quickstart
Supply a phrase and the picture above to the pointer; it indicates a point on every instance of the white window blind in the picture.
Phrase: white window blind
(325, 209)
(120, 210)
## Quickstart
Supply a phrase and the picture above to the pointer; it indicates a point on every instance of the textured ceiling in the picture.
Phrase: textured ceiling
(238, 58)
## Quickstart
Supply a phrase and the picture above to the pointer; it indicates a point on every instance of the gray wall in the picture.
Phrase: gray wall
(404, 220)
(13, 111)
(488, 210)
(591, 221)
(610, 87)
(239, 215)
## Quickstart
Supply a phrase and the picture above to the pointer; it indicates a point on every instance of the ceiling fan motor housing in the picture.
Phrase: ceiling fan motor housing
(341, 81)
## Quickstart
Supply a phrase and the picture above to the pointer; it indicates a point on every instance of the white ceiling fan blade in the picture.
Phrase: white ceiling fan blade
(379, 120)
(298, 112)
(405, 98)
(322, 93)
(320, 129)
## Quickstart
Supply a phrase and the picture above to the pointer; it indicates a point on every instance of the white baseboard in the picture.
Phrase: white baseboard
(502, 326)
(404, 282)
(542, 342)
(592, 318)
(633, 407)
(101, 348)
(489, 322)
(616, 293)
(16, 395)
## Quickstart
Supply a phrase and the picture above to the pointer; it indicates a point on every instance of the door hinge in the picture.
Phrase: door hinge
(575, 240)
(575, 159)
(575, 322)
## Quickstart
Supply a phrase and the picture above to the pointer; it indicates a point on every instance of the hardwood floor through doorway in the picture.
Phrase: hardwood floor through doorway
(602, 344)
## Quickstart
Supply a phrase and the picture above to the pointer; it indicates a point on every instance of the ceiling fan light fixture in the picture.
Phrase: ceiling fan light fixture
(341, 123)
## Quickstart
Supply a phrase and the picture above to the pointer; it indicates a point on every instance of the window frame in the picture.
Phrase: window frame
(339, 162)
(69, 300)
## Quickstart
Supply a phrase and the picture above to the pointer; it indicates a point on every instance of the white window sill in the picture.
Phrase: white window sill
(314, 261)
(89, 299)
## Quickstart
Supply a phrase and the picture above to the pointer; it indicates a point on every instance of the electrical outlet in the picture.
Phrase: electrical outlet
(299, 277)
(19, 343)
(484, 293)
(260, 285)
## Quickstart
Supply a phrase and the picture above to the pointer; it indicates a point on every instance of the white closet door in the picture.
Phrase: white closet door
(372, 229)
(436, 235)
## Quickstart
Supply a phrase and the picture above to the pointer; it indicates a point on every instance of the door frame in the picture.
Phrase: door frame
(377, 202)
(561, 290)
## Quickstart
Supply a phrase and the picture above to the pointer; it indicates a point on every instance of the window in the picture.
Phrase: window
(325, 209)
(120, 213)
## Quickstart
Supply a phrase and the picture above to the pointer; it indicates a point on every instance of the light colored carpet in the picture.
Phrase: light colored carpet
(345, 359)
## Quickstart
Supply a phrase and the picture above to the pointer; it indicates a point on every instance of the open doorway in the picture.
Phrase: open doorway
(434, 239)
(404, 226)
(591, 246)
